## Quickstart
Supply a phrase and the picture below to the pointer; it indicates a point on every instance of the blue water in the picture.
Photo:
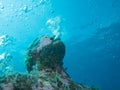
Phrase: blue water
(90, 30)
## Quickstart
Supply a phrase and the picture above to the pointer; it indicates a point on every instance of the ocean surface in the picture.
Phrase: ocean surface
(90, 30)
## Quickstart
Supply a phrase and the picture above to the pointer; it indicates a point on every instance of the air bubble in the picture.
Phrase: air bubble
(27, 9)
(53, 25)
(1, 7)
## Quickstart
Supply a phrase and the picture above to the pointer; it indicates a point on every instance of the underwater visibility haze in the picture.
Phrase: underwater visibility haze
(90, 30)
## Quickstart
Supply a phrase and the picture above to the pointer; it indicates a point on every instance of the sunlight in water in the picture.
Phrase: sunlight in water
(22, 20)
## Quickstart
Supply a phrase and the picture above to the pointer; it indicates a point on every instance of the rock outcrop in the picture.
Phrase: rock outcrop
(44, 62)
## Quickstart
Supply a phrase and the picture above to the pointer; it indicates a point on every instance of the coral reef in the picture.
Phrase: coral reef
(44, 62)
(45, 52)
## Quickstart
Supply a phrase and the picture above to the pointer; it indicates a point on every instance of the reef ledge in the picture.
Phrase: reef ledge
(45, 71)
